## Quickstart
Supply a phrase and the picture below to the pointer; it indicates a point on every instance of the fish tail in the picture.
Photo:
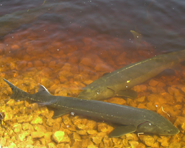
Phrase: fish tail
(17, 94)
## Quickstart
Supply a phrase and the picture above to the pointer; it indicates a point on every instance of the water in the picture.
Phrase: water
(65, 45)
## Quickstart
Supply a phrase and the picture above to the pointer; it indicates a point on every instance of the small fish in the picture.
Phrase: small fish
(119, 82)
(129, 119)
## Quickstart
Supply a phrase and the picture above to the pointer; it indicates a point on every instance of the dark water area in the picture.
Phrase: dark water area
(159, 22)
(66, 45)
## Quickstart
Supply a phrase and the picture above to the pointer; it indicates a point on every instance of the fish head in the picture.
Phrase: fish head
(164, 127)
(96, 93)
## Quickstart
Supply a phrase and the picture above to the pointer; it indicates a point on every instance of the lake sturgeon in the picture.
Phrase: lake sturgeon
(119, 82)
(129, 119)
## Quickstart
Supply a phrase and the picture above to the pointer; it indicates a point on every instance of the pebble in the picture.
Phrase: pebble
(60, 136)
(37, 134)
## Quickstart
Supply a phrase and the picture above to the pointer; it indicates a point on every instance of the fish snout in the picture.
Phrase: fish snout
(172, 131)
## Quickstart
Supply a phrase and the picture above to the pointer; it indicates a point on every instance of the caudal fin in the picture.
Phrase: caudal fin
(17, 94)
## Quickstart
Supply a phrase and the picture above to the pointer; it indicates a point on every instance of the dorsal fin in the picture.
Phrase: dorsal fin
(43, 89)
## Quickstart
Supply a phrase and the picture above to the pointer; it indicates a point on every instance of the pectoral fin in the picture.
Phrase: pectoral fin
(59, 112)
(122, 130)
(127, 93)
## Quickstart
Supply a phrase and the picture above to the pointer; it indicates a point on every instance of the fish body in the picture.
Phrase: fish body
(129, 119)
(120, 81)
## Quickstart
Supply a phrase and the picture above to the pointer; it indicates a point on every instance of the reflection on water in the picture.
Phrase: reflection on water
(75, 43)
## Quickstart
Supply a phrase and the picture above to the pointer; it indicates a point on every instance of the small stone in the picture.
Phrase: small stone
(21, 65)
(102, 67)
(51, 145)
(22, 136)
(91, 124)
(47, 137)
(91, 132)
(131, 136)
(153, 82)
(81, 126)
(76, 137)
(59, 136)
(12, 145)
(87, 62)
(164, 141)
(37, 120)
(92, 146)
(134, 144)
(141, 99)
(117, 100)
(148, 140)
(175, 145)
(50, 122)
(140, 88)
(11, 102)
(82, 132)
(17, 128)
(27, 126)
(38, 63)
(97, 140)
(3, 141)
(103, 127)
(40, 128)
(37, 134)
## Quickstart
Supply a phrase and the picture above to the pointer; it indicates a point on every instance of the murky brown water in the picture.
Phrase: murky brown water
(66, 45)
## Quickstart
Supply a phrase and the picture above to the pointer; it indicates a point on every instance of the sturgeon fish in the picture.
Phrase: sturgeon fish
(119, 82)
(129, 119)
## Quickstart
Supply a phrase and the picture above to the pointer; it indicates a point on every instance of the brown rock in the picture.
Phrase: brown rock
(37, 134)
(117, 100)
(21, 65)
(47, 137)
(141, 99)
(103, 127)
(76, 137)
(60, 136)
(131, 136)
(140, 88)
(175, 145)
(11, 102)
(180, 121)
(29, 64)
(3, 141)
(91, 124)
(38, 63)
(12, 145)
(40, 128)
(81, 126)
(50, 122)
(92, 146)
(51, 145)
(92, 132)
(164, 141)
(106, 141)
(87, 62)
(37, 120)
(97, 140)
(17, 128)
(82, 132)
(27, 126)
(148, 140)
(153, 82)
(22, 136)
(134, 144)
